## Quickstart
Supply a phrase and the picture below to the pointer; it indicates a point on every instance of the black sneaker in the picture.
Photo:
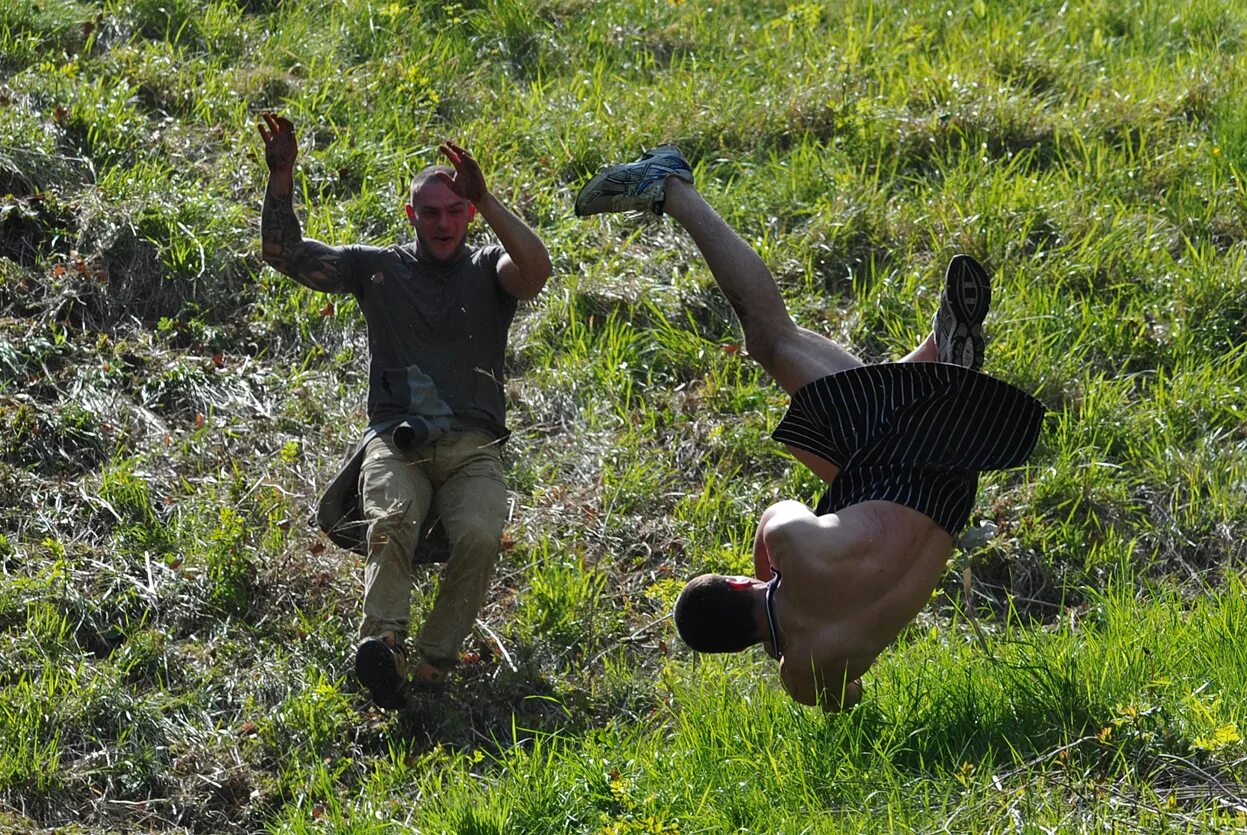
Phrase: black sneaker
(958, 324)
(382, 668)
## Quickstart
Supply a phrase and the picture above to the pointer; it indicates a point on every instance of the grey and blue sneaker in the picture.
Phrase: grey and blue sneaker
(958, 324)
(634, 186)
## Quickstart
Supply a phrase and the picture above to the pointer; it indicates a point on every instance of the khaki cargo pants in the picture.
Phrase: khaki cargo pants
(460, 477)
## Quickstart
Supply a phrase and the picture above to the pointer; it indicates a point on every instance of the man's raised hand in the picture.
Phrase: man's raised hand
(468, 182)
(280, 145)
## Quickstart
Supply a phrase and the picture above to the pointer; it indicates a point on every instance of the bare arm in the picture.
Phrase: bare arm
(307, 261)
(283, 246)
(815, 668)
(776, 526)
(523, 271)
(828, 688)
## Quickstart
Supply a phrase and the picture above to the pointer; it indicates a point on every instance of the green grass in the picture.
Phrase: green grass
(174, 635)
(1072, 728)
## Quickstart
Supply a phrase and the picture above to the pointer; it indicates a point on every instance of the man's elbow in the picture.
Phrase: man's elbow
(531, 283)
(275, 256)
(825, 701)
(831, 705)
(540, 272)
(847, 700)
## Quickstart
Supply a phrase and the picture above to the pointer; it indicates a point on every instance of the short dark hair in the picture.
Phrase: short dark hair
(713, 617)
(424, 175)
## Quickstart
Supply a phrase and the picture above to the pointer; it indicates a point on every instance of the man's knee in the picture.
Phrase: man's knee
(474, 509)
(762, 348)
(393, 528)
(477, 537)
(768, 339)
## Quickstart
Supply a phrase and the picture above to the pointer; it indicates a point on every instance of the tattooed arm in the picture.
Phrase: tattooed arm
(308, 262)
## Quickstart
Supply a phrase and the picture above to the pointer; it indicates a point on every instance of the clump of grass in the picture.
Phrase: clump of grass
(177, 634)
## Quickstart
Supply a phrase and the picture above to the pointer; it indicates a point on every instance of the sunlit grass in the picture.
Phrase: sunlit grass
(174, 636)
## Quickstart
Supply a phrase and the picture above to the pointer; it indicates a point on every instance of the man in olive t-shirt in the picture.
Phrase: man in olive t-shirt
(438, 313)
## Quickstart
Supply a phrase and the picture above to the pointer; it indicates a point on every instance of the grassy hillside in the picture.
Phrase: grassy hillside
(175, 635)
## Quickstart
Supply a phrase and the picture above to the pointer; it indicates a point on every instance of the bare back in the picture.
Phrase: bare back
(851, 582)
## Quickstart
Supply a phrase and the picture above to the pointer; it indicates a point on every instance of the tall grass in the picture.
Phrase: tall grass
(176, 637)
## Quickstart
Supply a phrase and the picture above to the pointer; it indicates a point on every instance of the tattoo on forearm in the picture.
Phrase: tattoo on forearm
(286, 250)
(280, 232)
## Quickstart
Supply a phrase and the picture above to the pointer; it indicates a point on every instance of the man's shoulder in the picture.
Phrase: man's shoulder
(819, 542)
(484, 264)
(371, 258)
(403, 252)
(486, 256)
(881, 520)
(796, 531)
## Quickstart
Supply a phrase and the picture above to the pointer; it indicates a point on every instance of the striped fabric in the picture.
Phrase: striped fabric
(914, 433)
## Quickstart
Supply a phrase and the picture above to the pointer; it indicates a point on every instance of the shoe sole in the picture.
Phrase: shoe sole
(968, 289)
(375, 669)
(967, 297)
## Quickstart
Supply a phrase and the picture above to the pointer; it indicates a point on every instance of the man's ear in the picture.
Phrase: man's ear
(471, 212)
(411, 214)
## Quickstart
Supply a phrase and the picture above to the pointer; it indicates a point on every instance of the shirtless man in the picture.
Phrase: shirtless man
(900, 446)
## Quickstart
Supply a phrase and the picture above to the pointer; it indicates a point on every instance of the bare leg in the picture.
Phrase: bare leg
(926, 352)
(792, 355)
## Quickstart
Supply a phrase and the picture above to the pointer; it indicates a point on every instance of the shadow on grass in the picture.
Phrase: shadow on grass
(479, 710)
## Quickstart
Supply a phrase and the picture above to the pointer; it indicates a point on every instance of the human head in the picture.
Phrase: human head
(718, 614)
(439, 216)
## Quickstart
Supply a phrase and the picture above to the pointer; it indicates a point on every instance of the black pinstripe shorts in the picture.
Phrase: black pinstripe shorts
(914, 433)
